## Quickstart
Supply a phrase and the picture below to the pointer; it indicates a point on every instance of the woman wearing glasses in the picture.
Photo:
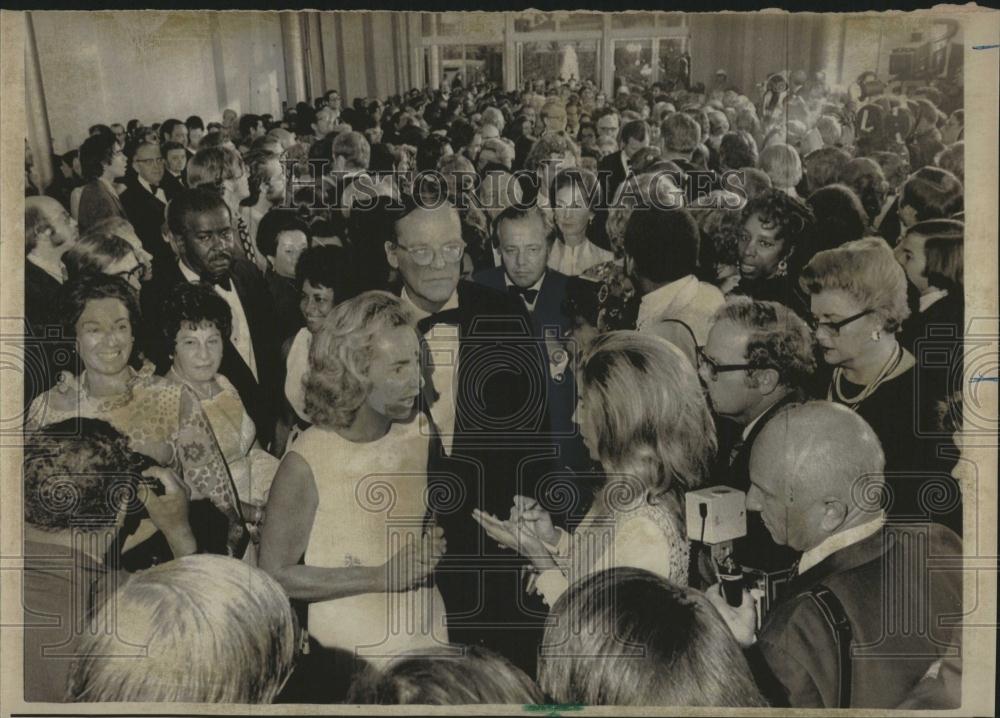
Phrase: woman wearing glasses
(858, 302)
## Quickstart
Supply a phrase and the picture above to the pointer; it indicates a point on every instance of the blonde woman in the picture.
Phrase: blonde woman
(349, 493)
(642, 414)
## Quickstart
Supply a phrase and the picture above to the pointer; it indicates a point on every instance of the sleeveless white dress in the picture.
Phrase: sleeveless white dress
(371, 500)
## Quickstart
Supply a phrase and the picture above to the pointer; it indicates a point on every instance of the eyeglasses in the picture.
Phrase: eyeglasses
(833, 328)
(157, 160)
(424, 256)
(714, 368)
(136, 271)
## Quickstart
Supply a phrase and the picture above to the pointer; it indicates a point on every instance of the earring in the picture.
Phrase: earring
(782, 269)
(876, 335)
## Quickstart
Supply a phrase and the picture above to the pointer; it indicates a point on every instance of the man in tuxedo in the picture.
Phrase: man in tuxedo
(175, 158)
(49, 231)
(757, 359)
(145, 201)
(874, 606)
(484, 402)
(202, 239)
(524, 239)
(616, 167)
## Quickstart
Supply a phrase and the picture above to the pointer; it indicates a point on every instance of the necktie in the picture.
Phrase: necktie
(448, 316)
(222, 281)
(529, 295)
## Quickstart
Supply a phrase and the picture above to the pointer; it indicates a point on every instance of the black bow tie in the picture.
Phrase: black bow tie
(529, 295)
(153, 188)
(222, 281)
(448, 316)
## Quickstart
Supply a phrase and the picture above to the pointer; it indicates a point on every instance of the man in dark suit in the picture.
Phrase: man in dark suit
(757, 359)
(614, 168)
(145, 201)
(867, 616)
(487, 417)
(49, 231)
(175, 159)
(201, 236)
(524, 240)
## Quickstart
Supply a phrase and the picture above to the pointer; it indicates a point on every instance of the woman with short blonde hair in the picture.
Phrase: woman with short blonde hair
(222, 169)
(363, 461)
(857, 300)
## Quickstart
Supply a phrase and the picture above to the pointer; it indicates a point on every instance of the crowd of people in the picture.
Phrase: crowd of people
(398, 402)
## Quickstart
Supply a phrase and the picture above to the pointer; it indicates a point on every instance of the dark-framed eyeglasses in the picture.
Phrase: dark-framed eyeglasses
(138, 271)
(833, 328)
(714, 368)
(157, 160)
(424, 256)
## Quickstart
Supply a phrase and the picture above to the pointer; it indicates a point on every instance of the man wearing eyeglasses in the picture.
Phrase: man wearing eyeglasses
(757, 359)
(484, 407)
(145, 201)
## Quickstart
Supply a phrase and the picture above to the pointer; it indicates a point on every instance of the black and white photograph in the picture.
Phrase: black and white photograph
(539, 361)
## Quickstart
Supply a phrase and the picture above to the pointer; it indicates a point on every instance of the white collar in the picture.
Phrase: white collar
(838, 541)
(926, 300)
(148, 187)
(655, 304)
(452, 303)
(190, 275)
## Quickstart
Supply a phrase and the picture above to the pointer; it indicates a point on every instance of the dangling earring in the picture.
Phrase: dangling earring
(782, 269)
(876, 335)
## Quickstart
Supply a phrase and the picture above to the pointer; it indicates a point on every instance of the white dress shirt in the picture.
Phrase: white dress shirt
(838, 541)
(159, 193)
(442, 342)
(536, 286)
(240, 336)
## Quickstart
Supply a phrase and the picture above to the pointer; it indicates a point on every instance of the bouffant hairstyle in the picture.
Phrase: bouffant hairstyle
(864, 176)
(866, 270)
(625, 636)
(212, 166)
(475, 677)
(193, 305)
(337, 383)
(680, 132)
(944, 241)
(823, 166)
(792, 217)
(552, 143)
(75, 294)
(839, 216)
(354, 148)
(777, 338)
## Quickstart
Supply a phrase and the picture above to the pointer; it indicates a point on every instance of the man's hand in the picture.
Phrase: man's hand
(169, 513)
(742, 619)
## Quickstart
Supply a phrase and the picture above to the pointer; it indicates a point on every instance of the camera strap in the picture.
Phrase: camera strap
(833, 611)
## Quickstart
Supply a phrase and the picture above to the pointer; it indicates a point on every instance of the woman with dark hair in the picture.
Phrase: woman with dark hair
(102, 161)
(163, 420)
(474, 675)
(774, 244)
(574, 196)
(931, 254)
(643, 415)
(196, 321)
(858, 303)
(627, 637)
(840, 217)
(865, 178)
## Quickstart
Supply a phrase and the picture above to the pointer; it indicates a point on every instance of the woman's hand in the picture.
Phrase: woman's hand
(532, 517)
(169, 512)
(514, 536)
(411, 565)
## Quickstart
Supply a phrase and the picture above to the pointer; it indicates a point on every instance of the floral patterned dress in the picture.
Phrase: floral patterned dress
(164, 421)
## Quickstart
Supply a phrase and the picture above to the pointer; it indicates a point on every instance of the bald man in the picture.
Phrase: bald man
(816, 479)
